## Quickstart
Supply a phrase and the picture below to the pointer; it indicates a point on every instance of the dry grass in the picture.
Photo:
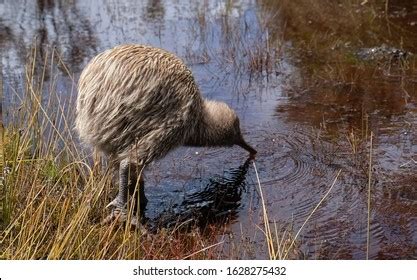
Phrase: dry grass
(368, 228)
(284, 245)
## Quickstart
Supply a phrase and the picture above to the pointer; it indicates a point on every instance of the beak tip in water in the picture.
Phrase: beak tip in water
(247, 147)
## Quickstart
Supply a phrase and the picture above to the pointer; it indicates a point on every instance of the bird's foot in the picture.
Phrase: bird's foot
(117, 214)
(120, 215)
(116, 203)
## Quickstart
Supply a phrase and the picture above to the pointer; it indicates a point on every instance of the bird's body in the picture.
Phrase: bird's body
(136, 103)
(134, 95)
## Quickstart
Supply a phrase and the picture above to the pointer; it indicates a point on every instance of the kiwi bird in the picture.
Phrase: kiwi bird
(136, 103)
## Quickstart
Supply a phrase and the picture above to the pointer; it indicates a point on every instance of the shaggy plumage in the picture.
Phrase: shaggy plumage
(136, 103)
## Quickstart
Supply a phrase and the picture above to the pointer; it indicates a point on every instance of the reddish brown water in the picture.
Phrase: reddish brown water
(308, 110)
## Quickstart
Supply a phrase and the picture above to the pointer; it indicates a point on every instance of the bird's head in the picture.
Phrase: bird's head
(226, 126)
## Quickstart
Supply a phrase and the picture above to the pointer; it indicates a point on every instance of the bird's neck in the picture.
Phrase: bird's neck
(210, 128)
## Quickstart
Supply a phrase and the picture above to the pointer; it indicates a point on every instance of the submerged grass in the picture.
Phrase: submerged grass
(245, 48)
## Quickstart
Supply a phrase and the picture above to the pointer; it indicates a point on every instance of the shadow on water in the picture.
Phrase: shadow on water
(217, 203)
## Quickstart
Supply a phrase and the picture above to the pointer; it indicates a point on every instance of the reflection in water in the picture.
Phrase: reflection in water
(219, 201)
(5, 34)
(41, 25)
(154, 11)
(335, 87)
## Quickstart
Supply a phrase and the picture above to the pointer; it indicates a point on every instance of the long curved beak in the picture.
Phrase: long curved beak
(247, 147)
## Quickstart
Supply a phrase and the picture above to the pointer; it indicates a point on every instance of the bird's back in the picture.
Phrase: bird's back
(135, 94)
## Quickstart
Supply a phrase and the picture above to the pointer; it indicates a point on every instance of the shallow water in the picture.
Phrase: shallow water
(301, 133)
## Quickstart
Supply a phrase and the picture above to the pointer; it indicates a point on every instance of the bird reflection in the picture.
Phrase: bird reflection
(218, 202)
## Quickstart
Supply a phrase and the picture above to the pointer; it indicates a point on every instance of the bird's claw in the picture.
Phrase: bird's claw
(116, 203)
(120, 215)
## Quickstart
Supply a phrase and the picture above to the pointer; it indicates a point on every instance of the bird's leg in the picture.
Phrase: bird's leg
(138, 188)
(120, 202)
(128, 184)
